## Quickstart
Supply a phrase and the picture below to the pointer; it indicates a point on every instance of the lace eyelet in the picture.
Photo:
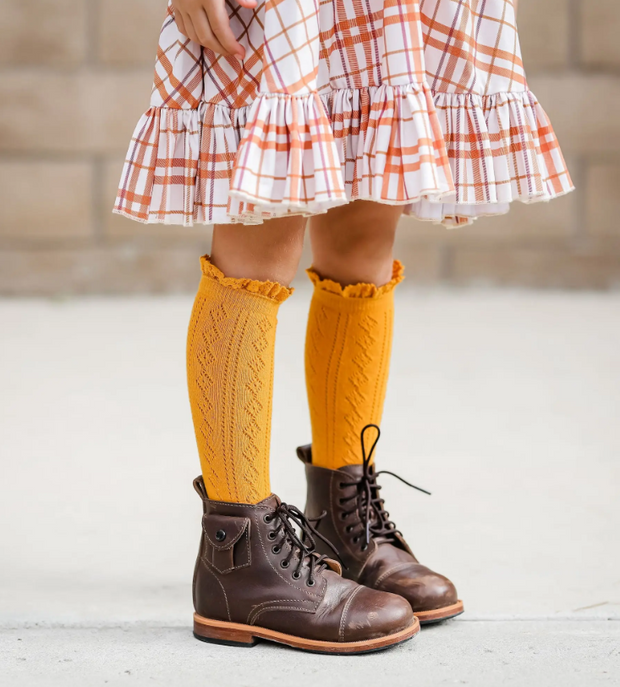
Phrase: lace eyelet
(310, 583)
(272, 535)
(344, 516)
(296, 575)
(268, 518)
(276, 549)
(364, 547)
(341, 485)
(348, 528)
(355, 540)
(284, 563)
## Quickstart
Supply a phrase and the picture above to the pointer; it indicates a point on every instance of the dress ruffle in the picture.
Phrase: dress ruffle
(448, 157)
(287, 160)
(389, 143)
(501, 148)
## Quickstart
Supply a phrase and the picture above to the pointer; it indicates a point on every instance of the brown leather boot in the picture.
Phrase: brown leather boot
(256, 578)
(345, 507)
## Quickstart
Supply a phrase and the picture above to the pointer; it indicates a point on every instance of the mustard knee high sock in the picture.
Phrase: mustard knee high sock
(348, 347)
(230, 351)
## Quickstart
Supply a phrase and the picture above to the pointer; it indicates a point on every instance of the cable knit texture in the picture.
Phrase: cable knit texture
(230, 351)
(348, 347)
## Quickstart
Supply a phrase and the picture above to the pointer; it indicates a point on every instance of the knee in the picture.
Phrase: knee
(270, 252)
(354, 243)
(275, 258)
(359, 231)
(361, 243)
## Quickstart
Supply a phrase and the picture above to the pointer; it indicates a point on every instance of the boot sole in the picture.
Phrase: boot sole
(439, 614)
(239, 635)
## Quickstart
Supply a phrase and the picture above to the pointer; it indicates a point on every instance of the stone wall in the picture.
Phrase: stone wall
(75, 75)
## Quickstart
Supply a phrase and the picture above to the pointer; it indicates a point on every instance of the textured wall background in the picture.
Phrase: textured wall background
(75, 75)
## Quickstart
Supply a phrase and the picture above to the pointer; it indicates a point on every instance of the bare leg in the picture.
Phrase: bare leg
(268, 252)
(353, 244)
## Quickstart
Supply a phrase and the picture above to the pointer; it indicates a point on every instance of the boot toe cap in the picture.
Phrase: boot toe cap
(424, 589)
(371, 613)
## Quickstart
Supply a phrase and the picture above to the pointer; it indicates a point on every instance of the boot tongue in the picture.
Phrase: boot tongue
(355, 471)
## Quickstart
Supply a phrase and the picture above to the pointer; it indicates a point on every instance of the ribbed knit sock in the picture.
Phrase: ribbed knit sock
(230, 352)
(348, 347)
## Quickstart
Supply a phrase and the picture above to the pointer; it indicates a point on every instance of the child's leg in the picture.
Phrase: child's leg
(353, 244)
(349, 336)
(252, 568)
(230, 352)
(347, 360)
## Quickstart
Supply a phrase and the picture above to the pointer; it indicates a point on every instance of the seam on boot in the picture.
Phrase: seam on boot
(345, 611)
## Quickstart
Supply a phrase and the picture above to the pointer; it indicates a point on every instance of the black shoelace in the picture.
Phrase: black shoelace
(302, 547)
(374, 519)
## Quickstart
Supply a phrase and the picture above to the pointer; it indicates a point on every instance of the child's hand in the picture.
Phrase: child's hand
(206, 22)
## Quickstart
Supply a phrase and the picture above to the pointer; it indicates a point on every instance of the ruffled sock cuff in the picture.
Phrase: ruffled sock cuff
(361, 290)
(271, 290)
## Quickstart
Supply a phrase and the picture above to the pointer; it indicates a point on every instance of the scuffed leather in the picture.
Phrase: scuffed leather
(384, 565)
(262, 593)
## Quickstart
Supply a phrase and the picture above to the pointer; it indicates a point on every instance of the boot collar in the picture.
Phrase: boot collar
(365, 499)
(226, 508)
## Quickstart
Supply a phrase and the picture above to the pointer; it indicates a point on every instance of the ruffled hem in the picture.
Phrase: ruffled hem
(269, 289)
(501, 148)
(390, 144)
(287, 160)
(360, 290)
(448, 158)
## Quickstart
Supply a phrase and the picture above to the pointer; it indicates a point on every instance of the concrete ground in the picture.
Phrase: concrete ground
(504, 404)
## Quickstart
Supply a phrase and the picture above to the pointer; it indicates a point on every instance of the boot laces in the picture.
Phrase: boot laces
(302, 545)
(374, 519)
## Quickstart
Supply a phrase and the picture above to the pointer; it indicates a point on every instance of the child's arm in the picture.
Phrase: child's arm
(206, 22)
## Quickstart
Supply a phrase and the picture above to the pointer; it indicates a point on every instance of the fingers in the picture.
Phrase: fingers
(205, 34)
(179, 20)
(209, 26)
(190, 31)
(220, 25)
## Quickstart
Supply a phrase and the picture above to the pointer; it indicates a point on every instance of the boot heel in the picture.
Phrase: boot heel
(219, 632)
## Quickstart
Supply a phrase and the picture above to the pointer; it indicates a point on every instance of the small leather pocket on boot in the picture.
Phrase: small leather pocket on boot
(228, 542)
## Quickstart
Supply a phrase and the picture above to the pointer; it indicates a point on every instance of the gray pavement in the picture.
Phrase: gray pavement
(504, 404)
(484, 654)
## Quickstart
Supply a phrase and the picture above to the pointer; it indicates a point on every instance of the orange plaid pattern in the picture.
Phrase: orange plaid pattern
(420, 103)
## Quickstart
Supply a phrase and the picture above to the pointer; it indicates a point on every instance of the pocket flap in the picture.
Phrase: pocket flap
(224, 531)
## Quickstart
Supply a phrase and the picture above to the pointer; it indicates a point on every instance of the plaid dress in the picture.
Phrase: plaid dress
(422, 103)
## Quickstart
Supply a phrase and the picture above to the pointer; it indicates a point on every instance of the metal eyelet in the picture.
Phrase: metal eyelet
(220, 535)
(284, 563)
(267, 518)
(276, 549)
(364, 547)
(310, 583)
(272, 535)
(348, 528)
(296, 575)
(344, 516)
(355, 540)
